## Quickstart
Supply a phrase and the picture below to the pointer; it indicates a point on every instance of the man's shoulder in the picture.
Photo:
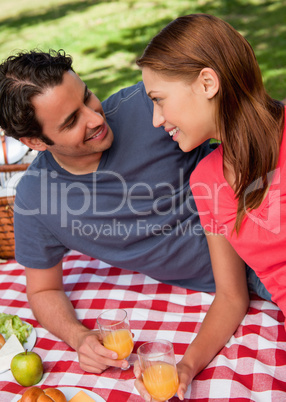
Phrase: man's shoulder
(30, 179)
(134, 95)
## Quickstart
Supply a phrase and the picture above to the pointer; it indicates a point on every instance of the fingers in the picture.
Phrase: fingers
(142, 390)
(184, 380)
(139, 383)
(181, 391)
(136, 369)
(186, 375)
(94, 357)
(92, 366)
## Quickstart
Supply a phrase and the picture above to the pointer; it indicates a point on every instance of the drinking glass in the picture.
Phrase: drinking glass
(115, 331)
(159, 370)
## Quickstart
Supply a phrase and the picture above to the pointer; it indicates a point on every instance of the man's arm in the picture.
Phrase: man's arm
(54, 311)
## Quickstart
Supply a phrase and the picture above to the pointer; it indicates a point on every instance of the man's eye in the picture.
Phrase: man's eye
(72, 122)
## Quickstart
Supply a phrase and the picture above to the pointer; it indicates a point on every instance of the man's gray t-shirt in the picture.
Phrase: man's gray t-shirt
(136, 212)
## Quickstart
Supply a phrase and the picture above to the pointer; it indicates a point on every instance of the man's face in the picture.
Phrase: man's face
(73, 118)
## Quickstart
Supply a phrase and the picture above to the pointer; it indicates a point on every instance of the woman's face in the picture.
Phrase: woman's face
(186, 111)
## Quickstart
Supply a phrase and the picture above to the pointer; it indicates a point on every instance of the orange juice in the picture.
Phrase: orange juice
(120, 341)
(161, 381)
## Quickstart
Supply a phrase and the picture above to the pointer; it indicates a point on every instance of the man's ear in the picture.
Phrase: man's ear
(209, 82)
(34, 143)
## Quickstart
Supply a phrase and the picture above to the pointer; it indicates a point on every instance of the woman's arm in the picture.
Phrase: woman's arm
(225, 313)
(223, 317)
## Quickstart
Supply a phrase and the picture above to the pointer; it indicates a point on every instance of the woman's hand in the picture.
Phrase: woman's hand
(185, 374)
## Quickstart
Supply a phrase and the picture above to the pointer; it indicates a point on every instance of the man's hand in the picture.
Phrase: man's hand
(54, 311)
(93, 356)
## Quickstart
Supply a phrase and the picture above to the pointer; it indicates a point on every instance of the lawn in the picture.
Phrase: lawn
(106, 37)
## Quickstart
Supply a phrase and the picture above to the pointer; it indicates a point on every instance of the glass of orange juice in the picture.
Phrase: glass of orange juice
(115, 331)
(159, 370)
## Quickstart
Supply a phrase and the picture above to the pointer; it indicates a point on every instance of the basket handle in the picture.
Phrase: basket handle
(4, 147)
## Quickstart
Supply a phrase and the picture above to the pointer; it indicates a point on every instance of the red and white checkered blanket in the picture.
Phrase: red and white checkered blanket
(251, 367)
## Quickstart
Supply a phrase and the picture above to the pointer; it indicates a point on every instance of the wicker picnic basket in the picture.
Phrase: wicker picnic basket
(7, 241)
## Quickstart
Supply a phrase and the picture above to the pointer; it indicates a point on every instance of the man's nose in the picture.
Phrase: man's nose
(93, 118)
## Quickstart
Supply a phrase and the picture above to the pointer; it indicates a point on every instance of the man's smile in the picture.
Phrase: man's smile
(99, 134)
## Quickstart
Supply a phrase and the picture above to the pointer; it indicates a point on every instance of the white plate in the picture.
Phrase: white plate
(30, 342)
(69, 392)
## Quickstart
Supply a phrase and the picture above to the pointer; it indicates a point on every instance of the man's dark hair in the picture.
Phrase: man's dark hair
(22, 77)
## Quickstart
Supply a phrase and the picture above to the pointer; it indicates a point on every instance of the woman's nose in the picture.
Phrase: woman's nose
(158, 118)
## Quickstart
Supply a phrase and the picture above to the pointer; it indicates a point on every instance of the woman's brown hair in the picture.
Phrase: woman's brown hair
(248, 120)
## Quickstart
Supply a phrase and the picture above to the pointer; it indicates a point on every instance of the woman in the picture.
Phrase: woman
(204, 81)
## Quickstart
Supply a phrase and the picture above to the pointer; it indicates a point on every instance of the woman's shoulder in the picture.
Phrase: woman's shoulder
(208, 167)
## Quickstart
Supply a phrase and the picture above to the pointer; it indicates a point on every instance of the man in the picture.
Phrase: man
(105, 183)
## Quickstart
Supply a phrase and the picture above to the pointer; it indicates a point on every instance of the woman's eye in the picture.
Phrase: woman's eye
(156, 100)
(87, 97)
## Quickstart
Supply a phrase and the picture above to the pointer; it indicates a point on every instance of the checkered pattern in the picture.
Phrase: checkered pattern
(251, 367)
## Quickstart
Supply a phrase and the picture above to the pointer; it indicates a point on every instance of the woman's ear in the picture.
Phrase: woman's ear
(34, 143)
(209, 81)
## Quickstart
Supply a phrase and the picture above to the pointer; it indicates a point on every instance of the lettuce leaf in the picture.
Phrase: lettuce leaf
(12, 324)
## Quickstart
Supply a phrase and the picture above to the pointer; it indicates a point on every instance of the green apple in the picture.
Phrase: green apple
(27, 368)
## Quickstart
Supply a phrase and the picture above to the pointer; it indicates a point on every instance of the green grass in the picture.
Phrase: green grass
(106, 37)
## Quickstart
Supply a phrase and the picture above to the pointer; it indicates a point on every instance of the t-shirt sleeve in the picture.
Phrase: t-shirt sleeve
(35, 245)
(202, 190)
